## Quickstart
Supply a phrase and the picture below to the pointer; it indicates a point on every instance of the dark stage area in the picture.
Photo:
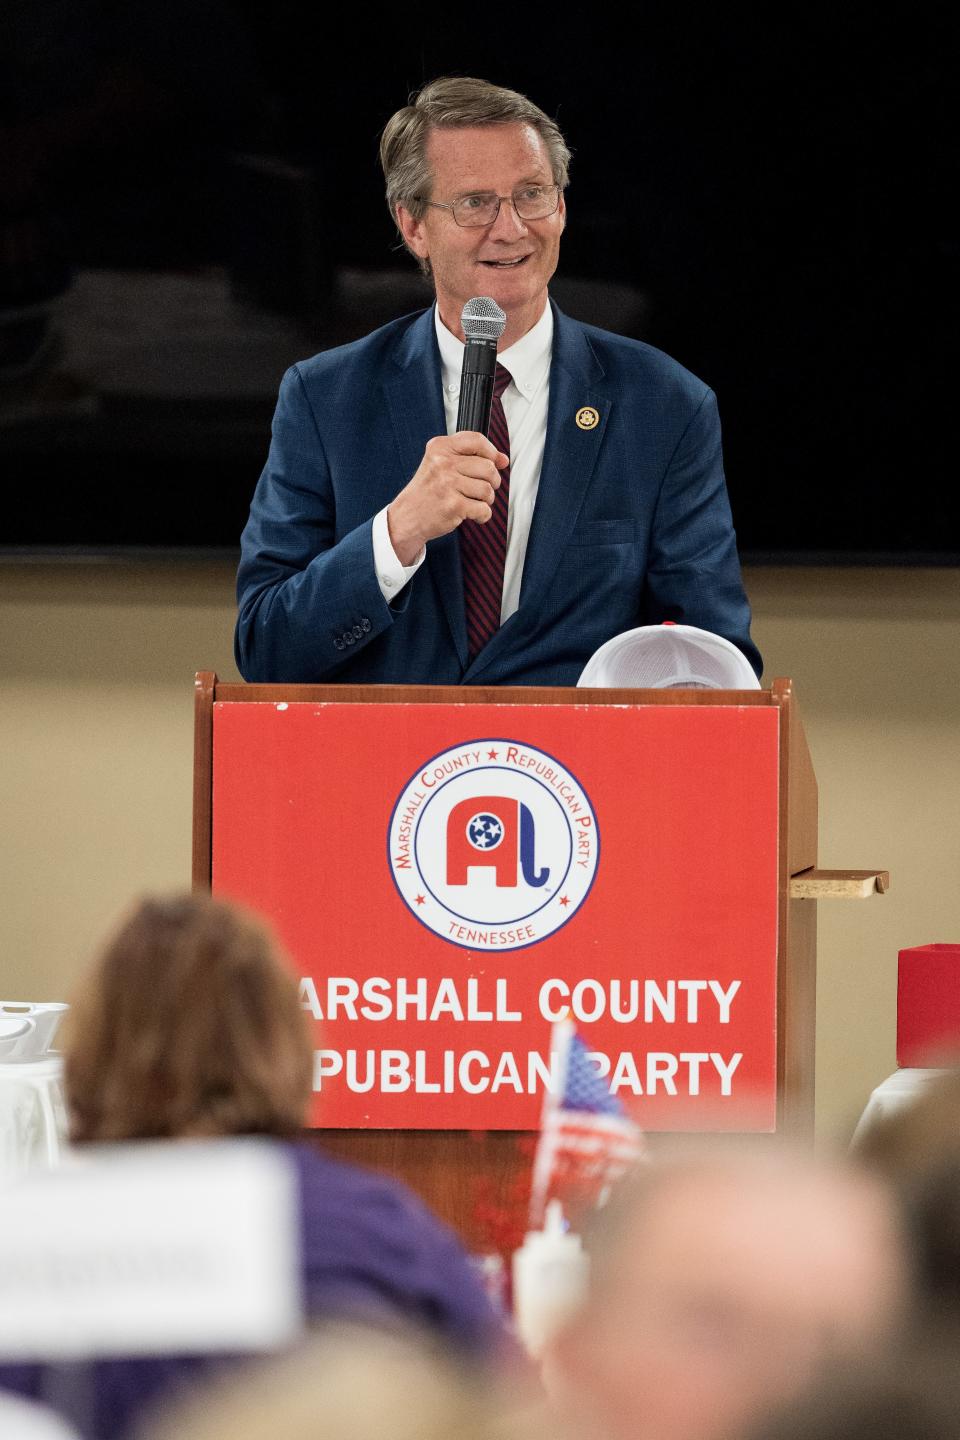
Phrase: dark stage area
(190, 200)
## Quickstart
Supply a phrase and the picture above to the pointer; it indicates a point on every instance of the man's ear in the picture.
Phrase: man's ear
(412, 232)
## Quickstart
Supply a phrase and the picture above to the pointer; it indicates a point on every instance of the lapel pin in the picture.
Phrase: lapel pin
(588, 418)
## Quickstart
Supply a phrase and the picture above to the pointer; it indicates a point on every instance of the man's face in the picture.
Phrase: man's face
(511, 260)
(729, 1294)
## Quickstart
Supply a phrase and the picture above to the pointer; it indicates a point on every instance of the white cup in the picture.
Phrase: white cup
(27, 1028)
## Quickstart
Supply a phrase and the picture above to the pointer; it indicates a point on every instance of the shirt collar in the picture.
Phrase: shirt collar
(528, 359)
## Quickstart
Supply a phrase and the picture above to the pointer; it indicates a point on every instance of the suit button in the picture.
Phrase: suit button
(357, 632)
(338, 642)
(348, 637)
(365, 625)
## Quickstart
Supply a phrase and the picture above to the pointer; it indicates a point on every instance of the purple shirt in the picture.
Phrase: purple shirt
(370, 1250)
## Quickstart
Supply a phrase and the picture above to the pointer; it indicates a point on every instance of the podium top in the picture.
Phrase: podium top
(778, 694)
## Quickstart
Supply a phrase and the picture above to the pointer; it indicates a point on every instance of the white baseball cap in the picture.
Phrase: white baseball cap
(661, 657)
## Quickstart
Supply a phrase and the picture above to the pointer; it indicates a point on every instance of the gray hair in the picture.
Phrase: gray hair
(450, 103)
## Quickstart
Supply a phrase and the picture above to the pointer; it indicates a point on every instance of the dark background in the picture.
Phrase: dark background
(190, 200)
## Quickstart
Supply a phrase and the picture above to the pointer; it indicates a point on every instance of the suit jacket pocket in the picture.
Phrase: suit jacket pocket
(605, 532)
(607, 561)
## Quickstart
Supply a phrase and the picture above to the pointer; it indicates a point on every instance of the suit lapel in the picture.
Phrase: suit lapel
(415, 401)
(569, 458)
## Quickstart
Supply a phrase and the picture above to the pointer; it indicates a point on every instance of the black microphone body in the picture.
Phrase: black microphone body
(476, 385)
(483, 324)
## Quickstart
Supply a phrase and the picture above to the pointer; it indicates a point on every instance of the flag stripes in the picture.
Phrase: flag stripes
(587, 1140)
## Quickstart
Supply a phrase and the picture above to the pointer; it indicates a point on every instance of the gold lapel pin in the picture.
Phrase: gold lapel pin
(588, 418)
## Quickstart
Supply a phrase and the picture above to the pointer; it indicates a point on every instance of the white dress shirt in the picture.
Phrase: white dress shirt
(525, 403)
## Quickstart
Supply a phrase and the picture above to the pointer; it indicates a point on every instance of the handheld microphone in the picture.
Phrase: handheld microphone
(483, 323)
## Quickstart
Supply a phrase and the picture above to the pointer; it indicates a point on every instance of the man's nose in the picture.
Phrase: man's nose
(508, 224)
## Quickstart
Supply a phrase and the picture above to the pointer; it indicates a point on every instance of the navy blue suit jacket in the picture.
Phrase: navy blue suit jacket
(632, 523)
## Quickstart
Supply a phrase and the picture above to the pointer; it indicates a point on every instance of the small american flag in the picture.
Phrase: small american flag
(587, 1140)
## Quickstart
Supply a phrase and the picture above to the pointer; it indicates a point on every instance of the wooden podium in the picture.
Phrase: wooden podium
(468, 862)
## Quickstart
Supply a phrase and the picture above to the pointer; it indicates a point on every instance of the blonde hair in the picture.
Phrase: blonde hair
(345, 1383)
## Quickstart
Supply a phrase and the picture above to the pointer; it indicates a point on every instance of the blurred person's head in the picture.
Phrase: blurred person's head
(189, 1024)
(720, 1285)
(916, 1149)
(344, 1384)
(913, 1394)
(931, 1212)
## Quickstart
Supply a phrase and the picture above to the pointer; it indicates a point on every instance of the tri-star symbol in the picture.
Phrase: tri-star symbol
(564, 900)
(493, 755)
(421, 899)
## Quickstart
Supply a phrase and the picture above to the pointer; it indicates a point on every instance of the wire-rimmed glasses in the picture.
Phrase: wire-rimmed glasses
(531, 202)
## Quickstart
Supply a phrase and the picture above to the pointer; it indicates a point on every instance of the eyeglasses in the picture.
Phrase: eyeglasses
(531, 202)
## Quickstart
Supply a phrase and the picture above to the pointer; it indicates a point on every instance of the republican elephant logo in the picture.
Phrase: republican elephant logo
(493, 844)
(495, 831)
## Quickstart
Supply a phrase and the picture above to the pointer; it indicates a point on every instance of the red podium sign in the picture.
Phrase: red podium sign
(450, 880)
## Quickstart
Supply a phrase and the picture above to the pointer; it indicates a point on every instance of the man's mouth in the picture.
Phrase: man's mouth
(506, 264)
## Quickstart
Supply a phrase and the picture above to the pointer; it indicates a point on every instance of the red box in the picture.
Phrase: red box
(928, 1005)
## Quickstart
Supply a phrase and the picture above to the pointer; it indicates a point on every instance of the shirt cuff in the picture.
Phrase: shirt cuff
(391, 575)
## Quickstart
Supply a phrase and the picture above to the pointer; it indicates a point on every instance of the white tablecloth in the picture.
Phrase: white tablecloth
(33, 1124)
(895, 1093)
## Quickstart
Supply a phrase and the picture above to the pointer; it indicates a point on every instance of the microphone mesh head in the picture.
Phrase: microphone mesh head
(482, 319)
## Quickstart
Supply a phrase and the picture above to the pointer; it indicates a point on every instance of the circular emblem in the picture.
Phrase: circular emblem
(493, 845)
(587, 417)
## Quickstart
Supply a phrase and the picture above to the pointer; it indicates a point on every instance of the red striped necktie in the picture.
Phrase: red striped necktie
(483, 548)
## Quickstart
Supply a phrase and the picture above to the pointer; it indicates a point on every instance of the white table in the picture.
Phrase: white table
(33, 1123)
(895, 1093)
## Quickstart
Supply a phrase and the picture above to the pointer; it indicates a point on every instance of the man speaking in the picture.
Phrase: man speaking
(385, 544)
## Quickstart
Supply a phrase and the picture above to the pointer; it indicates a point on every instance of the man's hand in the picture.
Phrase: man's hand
(457, 480)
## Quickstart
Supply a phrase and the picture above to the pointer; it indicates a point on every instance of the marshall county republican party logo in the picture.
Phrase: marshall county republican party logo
(493, 845)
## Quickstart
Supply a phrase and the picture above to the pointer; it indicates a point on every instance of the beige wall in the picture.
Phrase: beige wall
(96, 667)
